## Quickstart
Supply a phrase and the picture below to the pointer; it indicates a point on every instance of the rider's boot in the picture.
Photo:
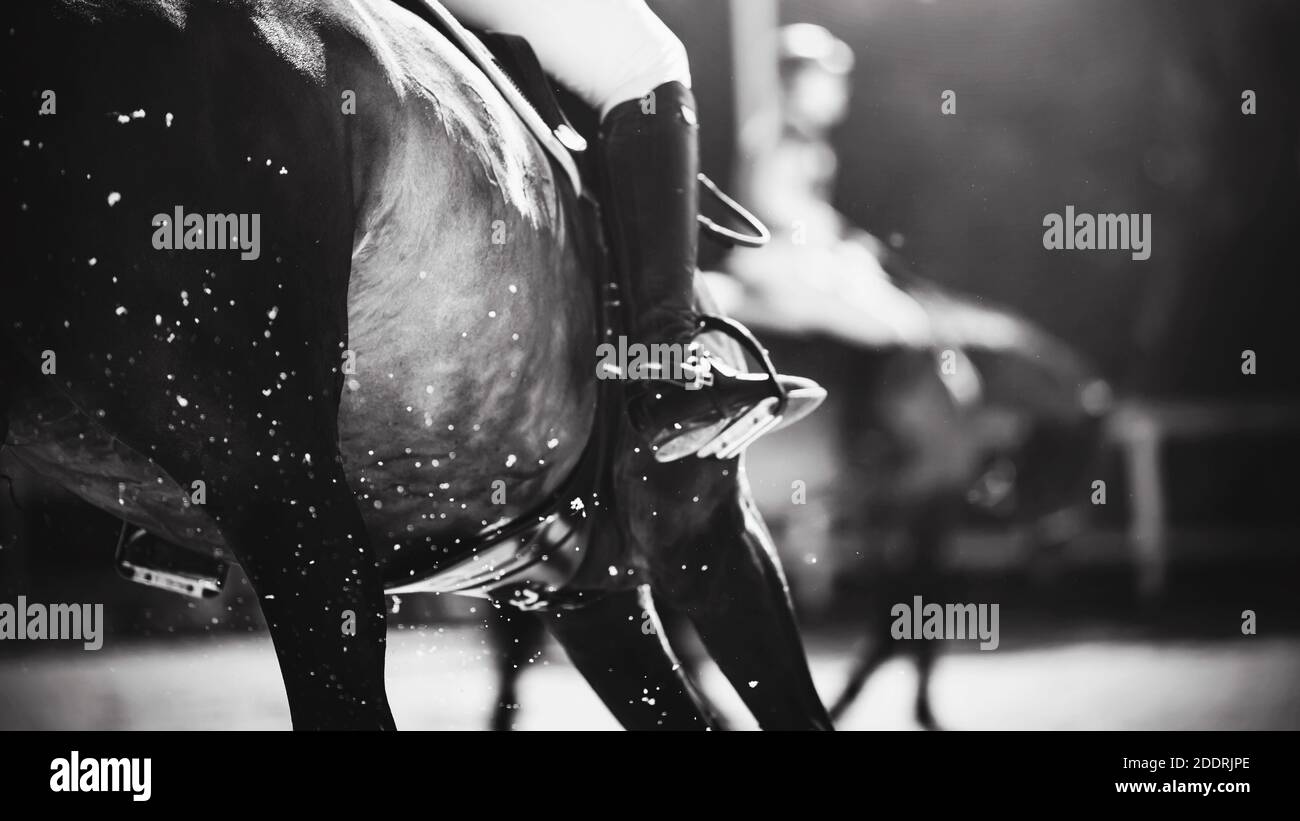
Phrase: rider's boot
(712, 406)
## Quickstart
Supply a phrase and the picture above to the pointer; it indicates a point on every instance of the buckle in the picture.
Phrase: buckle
(697, 369)
(527, 600)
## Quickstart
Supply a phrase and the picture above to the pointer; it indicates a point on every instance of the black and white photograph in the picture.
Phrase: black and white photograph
(521, 366)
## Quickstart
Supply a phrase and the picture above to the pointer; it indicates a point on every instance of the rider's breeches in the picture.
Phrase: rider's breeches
(605, 51)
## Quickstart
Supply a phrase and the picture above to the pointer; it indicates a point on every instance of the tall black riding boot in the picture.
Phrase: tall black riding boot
(704, 404)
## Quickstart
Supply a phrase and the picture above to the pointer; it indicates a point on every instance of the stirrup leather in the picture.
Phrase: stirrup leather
(758, 235)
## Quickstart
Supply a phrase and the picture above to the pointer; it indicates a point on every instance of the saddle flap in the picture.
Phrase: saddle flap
(516, 56)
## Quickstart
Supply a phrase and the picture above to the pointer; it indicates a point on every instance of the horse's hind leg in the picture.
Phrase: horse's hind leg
(926, 655)
(299, 537)
(876, 650)
(741, 608)
(929, 534)
(218, 360)
(633, 671)
(516, 638)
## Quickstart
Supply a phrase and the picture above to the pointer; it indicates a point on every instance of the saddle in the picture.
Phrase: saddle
(511, 64)
(528, 561)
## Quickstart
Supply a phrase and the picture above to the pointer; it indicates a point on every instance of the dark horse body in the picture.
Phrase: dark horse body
(427, 241)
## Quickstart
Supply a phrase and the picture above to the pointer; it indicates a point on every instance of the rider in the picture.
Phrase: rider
(820, 273)
(618, 57)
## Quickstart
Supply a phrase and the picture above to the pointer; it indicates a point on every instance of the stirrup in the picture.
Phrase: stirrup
(761, 418)
(759, 234)
(152, 562)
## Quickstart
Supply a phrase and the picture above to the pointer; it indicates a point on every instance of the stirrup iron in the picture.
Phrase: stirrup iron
(152, 562)
(761, 418)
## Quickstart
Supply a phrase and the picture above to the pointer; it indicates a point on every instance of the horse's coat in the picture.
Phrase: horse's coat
(408, 362)
(450, 263)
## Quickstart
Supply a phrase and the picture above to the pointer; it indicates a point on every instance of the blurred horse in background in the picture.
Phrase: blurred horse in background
(981, 420)
(946, 410)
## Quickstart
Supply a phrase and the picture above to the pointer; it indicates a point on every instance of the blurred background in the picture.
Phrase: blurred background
(1105, 447)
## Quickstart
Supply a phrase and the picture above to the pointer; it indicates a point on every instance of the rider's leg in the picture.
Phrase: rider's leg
(626, 63)
(604, 51)
(649, 149)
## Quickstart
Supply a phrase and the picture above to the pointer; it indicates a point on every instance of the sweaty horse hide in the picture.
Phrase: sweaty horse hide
(403, 369)
(526, 561)
(531, 558)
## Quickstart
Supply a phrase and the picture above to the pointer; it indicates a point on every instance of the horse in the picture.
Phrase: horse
(371, 352)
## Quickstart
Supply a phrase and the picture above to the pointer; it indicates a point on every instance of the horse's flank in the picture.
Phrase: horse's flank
(466, 279)
(416, 332)
(468, 380)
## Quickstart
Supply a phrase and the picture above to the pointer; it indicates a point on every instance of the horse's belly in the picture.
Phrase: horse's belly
(465, 402)
(469, 381)
(427, 478)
